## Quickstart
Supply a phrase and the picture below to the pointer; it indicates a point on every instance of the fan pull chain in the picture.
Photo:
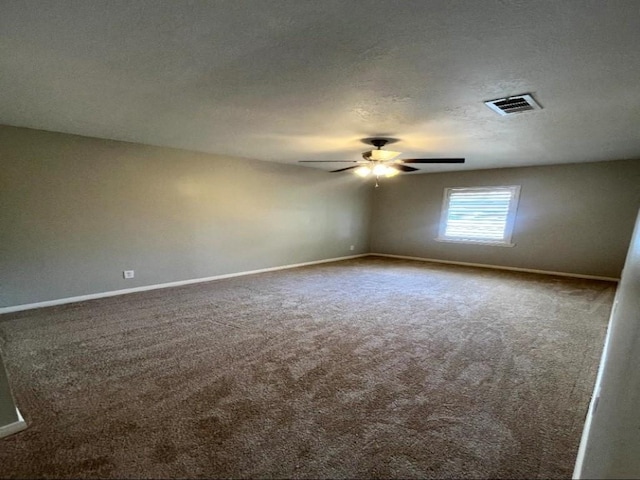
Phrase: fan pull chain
(377, 178)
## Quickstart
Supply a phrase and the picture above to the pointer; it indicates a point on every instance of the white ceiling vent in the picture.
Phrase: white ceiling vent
(515, 104)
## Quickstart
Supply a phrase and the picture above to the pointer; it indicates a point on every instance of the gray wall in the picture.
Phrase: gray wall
(612, 443)
(77, 211)
(575, 218)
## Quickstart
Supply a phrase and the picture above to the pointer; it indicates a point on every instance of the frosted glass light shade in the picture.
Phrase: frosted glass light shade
(362, 171)
(379, 170)
(391, 172)
(383, 155)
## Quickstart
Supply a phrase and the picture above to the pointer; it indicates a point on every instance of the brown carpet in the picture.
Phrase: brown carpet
(364, 368)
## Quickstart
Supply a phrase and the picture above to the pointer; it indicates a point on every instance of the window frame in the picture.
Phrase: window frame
(509, 222)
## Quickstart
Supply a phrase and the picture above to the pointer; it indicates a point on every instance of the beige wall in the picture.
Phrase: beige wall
(575, 218)
(77, 211)
(611, 444)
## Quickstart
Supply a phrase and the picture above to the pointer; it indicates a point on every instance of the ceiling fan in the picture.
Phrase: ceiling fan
(383, 163)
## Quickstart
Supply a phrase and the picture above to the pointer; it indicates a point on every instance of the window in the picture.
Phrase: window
(484, 215)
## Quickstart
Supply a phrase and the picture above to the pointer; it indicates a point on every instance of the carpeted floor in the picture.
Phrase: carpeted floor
(371, 367)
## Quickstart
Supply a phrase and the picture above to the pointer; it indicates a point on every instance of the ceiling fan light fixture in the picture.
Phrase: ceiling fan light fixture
(391, 172)
(362, 171)
(379, 170)
(383, 155)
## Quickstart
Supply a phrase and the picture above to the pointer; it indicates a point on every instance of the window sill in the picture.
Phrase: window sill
(475, 242)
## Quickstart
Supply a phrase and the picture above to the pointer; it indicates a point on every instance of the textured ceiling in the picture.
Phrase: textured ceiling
(306, 80)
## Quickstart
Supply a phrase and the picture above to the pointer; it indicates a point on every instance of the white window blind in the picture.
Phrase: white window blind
(479, 215)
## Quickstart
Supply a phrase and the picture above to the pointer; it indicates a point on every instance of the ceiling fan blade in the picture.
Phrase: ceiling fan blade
(343, 169)
(327, 161)
(404, 168)
(433, 160)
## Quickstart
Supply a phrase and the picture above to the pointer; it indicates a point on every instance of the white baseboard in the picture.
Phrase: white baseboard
(14, 427)
(582, 449)
(113, 293)
(595, 399)
(498, 267)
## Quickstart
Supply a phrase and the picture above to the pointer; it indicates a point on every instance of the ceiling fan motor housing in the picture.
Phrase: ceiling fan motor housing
(379, 142)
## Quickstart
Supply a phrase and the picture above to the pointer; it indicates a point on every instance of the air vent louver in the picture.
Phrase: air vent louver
(515, 104)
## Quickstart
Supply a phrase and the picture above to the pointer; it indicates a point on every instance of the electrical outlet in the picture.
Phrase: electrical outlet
(128, 274)
(352, 247)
